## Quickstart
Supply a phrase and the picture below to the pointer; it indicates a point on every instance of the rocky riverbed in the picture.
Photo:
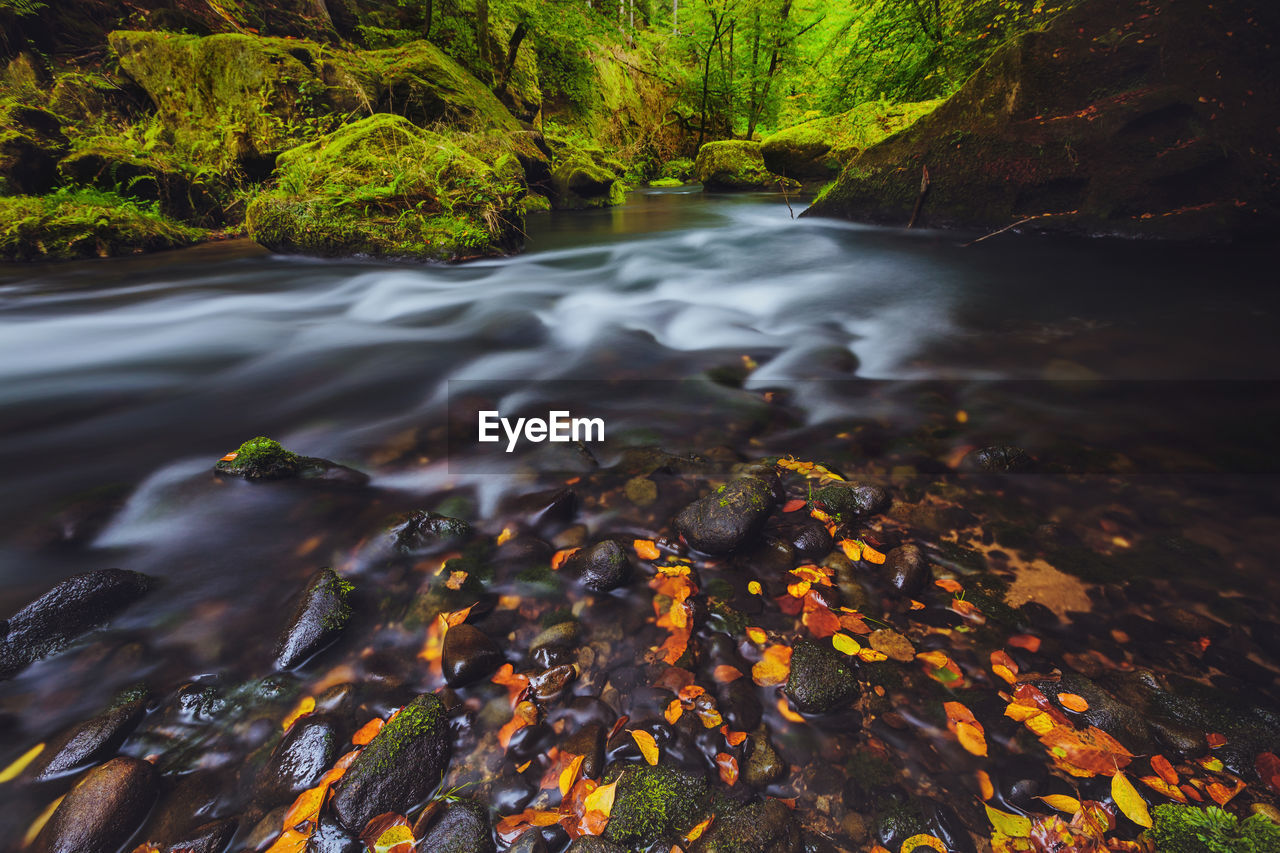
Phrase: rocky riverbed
(702, 652)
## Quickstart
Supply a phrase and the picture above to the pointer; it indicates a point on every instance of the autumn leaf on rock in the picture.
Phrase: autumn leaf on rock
(648, 746)
(728, 766)
(388, 833)
(1013, 825)
(961, 723)
(773, 668)
(367, 732)
(1129, 801)
(646, 549)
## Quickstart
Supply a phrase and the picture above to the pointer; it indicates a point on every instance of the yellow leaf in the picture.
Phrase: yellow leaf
(757, 636)
(852, 549)
(1062, 803)
(13, 770)
(306, 706)
(290, 841)
(648, 747)
(935, 659)
(1129, 801)
(570, 775)
(398, 834)
(871, 656)
(1041, 724)
(845, 643)
(40, 821)
(915, 842)
(754, 588)
(505, 535)
(871, 555)
(971, 738)
(696, 832)
(673, 712)
(1013, 825)
(601, 799)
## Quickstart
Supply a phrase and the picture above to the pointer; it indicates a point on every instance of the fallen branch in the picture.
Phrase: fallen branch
(1016, 224)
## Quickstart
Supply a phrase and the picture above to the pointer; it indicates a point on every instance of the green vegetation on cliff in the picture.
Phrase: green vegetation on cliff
(84, 223)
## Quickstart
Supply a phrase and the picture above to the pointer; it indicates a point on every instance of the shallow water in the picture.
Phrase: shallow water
(121, 382)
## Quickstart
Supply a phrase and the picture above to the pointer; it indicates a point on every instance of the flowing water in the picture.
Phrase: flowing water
(687, 321)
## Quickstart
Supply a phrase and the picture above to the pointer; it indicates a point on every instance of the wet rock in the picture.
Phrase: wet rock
(811, 540)
(588, 742)
(92, 740)
(1114, 717)
(265, 458)
(102, 810)
(419, 530)
(767, 827)
(463, 827)
(821, 679)
(73, 607)
(898, 817)
(594, 844)
(266, 830)
(399, 768)
(641, 491)
(549, 684)
(319, 619)
(998, 459)
(739, 701)
(652, 801)
(468, 655)
(210, 837)
(602, 567)
(850, 501)
(907, 570)
(305, 753)
(531, 842)
(728, 517)
(511, 793)
(331, 837)
(552, 507)
(555, 645)
(763, 766)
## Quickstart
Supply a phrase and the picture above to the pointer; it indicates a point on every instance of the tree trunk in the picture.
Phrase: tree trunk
(482, 33)
(513, 49)
(427, 14)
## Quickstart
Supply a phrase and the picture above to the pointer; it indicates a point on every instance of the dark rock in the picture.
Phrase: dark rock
(601, 567)
(898, 817)
(264, 458)
(266, 830)
(821, 679)
(811, 540)
(468, 655)
(767, 827)
(511, 793)
(77, 605)
(31, 143)
(907, 570)
(531, 842)
(103, 810)
(852, 501)
(1123, 722)
(728, 517)
(594, 844)
(763, 766)
(550, 683)
(552, 507)
(91, 741)
(303, 755)
(588, 742)
(321, 616)
(652, 801)
(463, 827)
(210, 837)
(555, 645)
(331, 837)
(1000, 459)
(740, 703)
(419, 530)
(399, 768)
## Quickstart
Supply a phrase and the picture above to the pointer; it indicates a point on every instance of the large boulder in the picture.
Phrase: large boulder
(85, 223)
(104, 808)
(1109, 120)
(584, 177)
(651, 802)
(733, 164)
(385, 187)
(816, 150)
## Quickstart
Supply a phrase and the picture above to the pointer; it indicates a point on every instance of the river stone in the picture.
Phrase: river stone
(555, 645)
(73, 607)
(303, 755)
(211, 837)
(462, 828)
(764, 766)
(594, 844)
(588, 742)
(767, 827)
(652, 801)
(728, 517)
(849, 501)
(331, 837)
(102, 810)
(319, 619)
(418, 530)
(908, 570)
(602, 567)
(92, 740)
(821, 679)
(999, 459)
(468, 655)
(399, 768)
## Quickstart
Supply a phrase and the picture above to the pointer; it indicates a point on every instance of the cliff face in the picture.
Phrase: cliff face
(1151, 118)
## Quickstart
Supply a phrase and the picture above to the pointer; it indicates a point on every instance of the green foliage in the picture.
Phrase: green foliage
(1188, 829)
(263, 458)
(21, 8)
(84, 223)
(651, 801)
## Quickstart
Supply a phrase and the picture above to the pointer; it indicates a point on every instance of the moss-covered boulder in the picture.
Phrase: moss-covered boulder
(179, 190)
(320, 617)
(821, 679)
(385, 187)
(31, 142)
(651, 802)
(815, 150)
(1105, 121)
(265, 458)
(733, 164)
(85, 223)
(583, 177)
(767, 827)
(242, 99)
(1191, 829)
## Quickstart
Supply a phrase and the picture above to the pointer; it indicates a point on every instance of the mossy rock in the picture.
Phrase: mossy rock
(651, 802)
(666, 183)
(817, 149)
(261, 458)
(384, 187)
(179, 191)
(85, 223)
(582, 178)
(1191, 829)
(821, 679)
(31, 142)
(767, 827)
(733, 164)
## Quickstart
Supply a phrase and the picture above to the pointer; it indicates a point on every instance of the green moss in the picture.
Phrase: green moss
(1188, 829)
(652, 801)
(733, 165)
(85, 223)
(667, 182)
(340, 590)
(582, 176)
(817, 148)
(383, 186)
(31, 141)
(423, 717)
(261, 458)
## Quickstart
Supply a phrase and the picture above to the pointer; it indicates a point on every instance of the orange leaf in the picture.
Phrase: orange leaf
(648, 747)
(1025, 641)
(645, 549)
(949, 585)
(1222, 794)
(304, 707)
(985, 787)
(673, 712)
(1164, 769)
(559, 557)
(696, 832)
(1160, 786)
(728, 768)
(570, 774)
(821, 622)
(972, 738)
(731, 737)
(785, 710)
(457, 617)
(794, 505)
(871, 555)
(1215, 740)
(773, 668)
(1073, 702)
(723, 674)
(367, 732)
(852, 549)
(290, 841)
(852, 622)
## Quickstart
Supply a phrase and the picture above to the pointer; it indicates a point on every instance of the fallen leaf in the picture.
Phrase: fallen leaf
(648, 746)
(916, 842)
(1062, 803)
(784, 708)
(754, 588)
(559, 557)
(794, 505)
(731, 737)
(985, 788)
(505, 536)
(21, 762)
(305, 706)
(570, 774)
(367, 732)
(949, 585)
(1025, 641)
(757, 635)
(724, 674)
(1073, 702)
(728, 768)
(1015, 826)
(1160, 786)
(601, 799)
(645, 549)
(845, 644)
(1165, 770)
(1129, 801)
(851, 549)
(871, 555)
(673, 712)
(290, 841)
(696, 832)
(773, 668)
(1268, 766)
